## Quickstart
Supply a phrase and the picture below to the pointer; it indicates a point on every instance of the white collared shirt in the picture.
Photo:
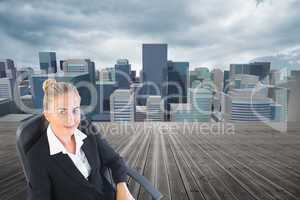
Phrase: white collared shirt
(79, 159)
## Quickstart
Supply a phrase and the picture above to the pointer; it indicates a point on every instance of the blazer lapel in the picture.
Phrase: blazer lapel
(89, 148)
(90, 151)
(65, 162)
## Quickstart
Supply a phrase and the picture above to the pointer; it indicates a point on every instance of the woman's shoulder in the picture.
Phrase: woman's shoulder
(39, 148)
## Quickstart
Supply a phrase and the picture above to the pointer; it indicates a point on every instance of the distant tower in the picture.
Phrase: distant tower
(7, 69)
(48, 62)
(155, 59)
(122, 71)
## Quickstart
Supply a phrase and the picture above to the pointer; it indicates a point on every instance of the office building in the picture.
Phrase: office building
(122, 71)
(81, 66)
(243, 81)
(289, 91)
(181, 112)
(133, 77)
(242, 105)
(140, 113)
(154, 58)
(48, 62)
(154, 108)
(122, 107)
(107, 74)
(6, 88)
(198, 108)
(260, 69)
(177, 81)
(226, 81)
(7, 69)
(177, 85)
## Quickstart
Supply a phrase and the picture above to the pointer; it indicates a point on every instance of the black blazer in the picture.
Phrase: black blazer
(57, 178)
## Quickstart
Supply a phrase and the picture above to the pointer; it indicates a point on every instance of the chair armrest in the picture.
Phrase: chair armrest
(145, 183)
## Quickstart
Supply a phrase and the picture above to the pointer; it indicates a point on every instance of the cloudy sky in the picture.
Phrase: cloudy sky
(209, 33)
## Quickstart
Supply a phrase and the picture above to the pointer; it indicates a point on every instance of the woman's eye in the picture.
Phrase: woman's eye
(75, 111)
(62, 112)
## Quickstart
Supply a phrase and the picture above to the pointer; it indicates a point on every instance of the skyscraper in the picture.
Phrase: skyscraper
(155, 58)
(177, 84)
(178, 80)
(122, 71)
(48, 62)
(226, 81)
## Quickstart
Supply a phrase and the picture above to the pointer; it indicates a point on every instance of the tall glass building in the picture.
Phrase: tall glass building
(154, 58)
(122, 73)
(48, 62)
(178, 81)
(177, 85)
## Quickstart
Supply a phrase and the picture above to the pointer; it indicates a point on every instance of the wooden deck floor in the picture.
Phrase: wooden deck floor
(252, 164)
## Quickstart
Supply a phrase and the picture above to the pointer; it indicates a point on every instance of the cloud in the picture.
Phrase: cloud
(205, 32)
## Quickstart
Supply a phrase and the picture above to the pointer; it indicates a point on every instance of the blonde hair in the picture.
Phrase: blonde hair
(53, 89)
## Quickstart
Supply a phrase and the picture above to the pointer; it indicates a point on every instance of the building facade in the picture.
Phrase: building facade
(122, 107)
(122, 71)
(154, 108)
(154, 58)
(48, 62)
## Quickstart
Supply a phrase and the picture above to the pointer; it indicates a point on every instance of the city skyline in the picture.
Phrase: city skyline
(104, 32)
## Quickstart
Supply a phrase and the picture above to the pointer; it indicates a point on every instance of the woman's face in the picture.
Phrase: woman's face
(64, 114)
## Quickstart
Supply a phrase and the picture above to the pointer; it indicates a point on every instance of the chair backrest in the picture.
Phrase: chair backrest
(28, 133)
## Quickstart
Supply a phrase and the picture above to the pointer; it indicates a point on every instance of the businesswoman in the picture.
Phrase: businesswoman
(65, 164)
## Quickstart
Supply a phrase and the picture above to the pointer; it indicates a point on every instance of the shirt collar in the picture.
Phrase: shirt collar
(55, 146)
